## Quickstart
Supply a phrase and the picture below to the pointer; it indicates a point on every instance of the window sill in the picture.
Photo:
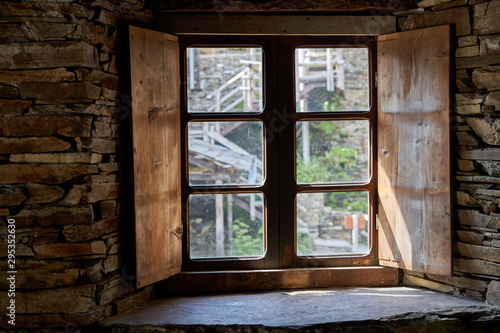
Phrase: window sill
(274, 279)
(386, 309)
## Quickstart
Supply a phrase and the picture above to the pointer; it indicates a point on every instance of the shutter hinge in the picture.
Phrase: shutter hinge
(376, 221)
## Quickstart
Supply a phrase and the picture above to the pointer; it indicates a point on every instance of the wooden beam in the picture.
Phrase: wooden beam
(233, 24)
(187, 282)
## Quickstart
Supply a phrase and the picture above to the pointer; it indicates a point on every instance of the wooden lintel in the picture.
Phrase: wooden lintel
(248, 280)
(210, 24)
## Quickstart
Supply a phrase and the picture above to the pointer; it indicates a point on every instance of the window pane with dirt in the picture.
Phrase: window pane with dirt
(226, 225)
(332, 223)
(227, 79)
(331, 79)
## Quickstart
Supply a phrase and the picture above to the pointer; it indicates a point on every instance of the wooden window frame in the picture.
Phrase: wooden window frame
(279, 118)
(156, 109)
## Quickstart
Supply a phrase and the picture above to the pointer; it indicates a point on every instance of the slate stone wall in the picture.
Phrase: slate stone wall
(64, 106)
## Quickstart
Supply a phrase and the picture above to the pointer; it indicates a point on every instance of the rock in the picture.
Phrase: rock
(477, 251)
(129, 301)
(493, 294)
(487, 77)
(467, 41)
(486, 18)
(465, 199)
(70, 126)
(474, 62)
(489, 44)
(74, 299)
(49, 30)
(82, 90)
(7, 91)
(60, 158)
(90, 193)
(108, 208)
(11, 196)
(60, 250)
(468, 99)
(52, 216)
(475, 219)
(447, 5)
(107, 80)
(39, 279)
(469, 109)
(43, 75)
(13, 106)
(44, 173)
(469, 51)
(32, 145)
(103, 146)
(493, 98)
(430, 3)
(490, 192)
(111, 167)
(479, 179)
(464, 138)
(48, 55)
(456, 16)
(481, 154)
(468, 237)
(491, 167)
(476, 266)
(39, 193)
(101, 129)
(465, 165)
(81, 233)
(416, 281)
(486, 128)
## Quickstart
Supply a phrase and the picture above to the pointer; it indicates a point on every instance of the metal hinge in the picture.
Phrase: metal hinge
(376, 221)
(376, 79)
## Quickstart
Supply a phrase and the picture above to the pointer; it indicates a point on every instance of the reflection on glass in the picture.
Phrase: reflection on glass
(332, 223)
(226, 225)
(225, 153)
(331, 79)
(227, 79)
(332, 151)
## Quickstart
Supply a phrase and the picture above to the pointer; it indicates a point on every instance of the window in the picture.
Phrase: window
(292, 126)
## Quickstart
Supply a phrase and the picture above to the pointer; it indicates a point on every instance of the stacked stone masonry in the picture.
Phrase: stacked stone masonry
(476, 145)
(64, 107)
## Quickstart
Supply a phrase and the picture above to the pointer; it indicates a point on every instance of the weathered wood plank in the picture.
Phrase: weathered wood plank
(281, 279)
(155, 79)
(414, 150)
(368, 25)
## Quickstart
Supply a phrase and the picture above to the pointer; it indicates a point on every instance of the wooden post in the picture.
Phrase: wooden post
(229, 198)
(355, 234)
(219, 223)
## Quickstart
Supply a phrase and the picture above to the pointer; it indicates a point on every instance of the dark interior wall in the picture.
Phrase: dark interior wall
(64, 107)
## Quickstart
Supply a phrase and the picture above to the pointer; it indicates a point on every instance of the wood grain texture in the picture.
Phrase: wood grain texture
(200, 24)
(155, 81)
(190, 282)
(414, 150)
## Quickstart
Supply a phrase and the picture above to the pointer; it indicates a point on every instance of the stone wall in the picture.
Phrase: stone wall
(64, 106)
(476, 141)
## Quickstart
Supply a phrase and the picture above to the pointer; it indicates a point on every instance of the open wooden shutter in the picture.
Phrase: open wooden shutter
(414, 150)
(155, 81)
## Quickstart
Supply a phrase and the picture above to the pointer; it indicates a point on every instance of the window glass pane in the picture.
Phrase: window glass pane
(332, 151)
(226, 225)
(227, 79)
(331, 79)
(225, 153)
(332, 223)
